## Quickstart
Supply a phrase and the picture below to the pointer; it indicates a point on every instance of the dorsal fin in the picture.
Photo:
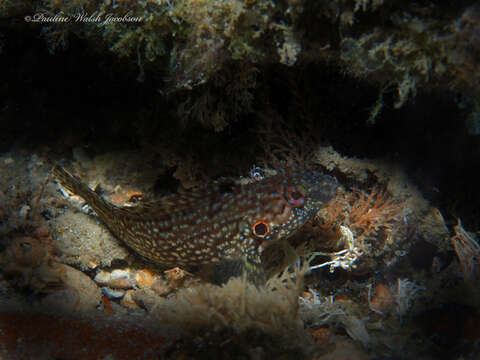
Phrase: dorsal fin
(175, 202)
(165, 206)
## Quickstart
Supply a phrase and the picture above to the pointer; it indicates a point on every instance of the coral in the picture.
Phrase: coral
(215, 46)
(365, 213)
(465, 55)
(365, 5)
(226, 98)
(290, 49)
(281, 145)
(417, 50)
(196, 38)
(372, 211)
(468, 253)
(25, 254)
(191, 42)
(210, 52)
(238, 305)
(356, 222)
(362, 171)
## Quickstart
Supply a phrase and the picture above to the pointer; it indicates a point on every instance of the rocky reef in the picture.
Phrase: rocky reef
(155, 99)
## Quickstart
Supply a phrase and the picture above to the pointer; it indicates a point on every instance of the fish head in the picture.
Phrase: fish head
(288, 201)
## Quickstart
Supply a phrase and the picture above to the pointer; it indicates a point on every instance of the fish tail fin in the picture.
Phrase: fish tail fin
(73, 184)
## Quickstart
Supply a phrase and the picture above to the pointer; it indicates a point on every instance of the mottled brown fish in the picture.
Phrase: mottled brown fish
(229, 225)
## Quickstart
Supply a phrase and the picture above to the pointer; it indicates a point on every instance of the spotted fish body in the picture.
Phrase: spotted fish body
(214, 224)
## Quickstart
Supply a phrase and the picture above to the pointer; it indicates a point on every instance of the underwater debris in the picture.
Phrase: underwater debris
(433, 228)
(321, 311)
(405, 293)
(176, 277)
(468, 253)
(356, 329)
(381, 299)
(344, 259)
(365, 5)
(290, 48)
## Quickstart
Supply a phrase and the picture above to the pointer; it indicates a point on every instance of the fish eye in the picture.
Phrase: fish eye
(294, 196)
(261, 229)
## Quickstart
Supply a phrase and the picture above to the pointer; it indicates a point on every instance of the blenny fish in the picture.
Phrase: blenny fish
(227, 225)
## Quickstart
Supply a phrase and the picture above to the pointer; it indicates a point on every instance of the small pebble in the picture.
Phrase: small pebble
(92, 264)
(24, 210)
(128, 300)
(144, 278)
(102, 277)
(113, 293)
(79, 292)
(63, 300)
(121, 279)
(117, 279)
(146, 298)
